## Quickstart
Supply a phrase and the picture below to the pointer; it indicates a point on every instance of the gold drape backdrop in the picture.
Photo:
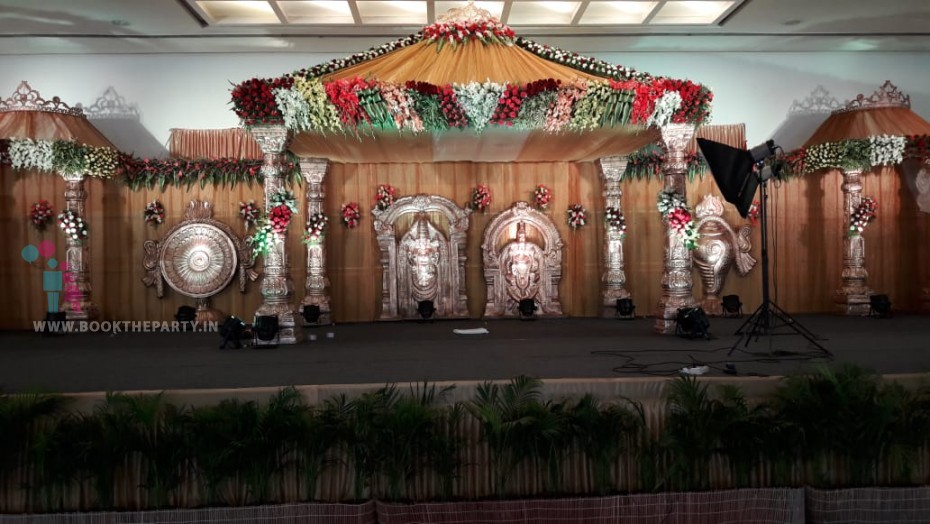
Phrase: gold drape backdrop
(807, 232)
(44, 125)
(213, 144)
(869, 122)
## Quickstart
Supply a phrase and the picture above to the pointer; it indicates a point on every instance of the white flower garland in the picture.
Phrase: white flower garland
(294, 108)
(665, 109)
(577, 216)
(72, 225)
(886, 150)
(479, 101)
(28, 154)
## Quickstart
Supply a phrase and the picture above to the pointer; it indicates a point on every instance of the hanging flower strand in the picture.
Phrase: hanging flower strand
(542, 195)
(154, 213)
(615, 220)
(385, 196)
(41, 214)
(862, 216)
(480, 198)
(316, 228)
(351, 215)
(577, 216)
(676, 213)
(72, 225)
(250, 213)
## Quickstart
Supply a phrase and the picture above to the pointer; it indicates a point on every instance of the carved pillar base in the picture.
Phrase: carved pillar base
(290, 324)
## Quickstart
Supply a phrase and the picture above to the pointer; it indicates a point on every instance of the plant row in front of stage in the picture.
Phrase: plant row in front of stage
(831, 429)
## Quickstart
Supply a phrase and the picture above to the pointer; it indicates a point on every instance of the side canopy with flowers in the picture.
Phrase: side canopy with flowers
(468, 88)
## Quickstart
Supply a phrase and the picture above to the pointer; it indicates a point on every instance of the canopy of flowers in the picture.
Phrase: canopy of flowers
(584, 93)
(858, 154)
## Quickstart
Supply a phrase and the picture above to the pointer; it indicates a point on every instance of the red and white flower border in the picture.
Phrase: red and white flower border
(615, 221)
(351, 215)
(577, 216)
(154, 213)
(676, 213)
(250, 213)
(480, 198)
(40, 214)
(316, 228)
(862, 216)
(72, 225)
(542, 196)
(385, 196)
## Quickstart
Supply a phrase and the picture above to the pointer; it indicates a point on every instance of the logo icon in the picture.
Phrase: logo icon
(56, 278)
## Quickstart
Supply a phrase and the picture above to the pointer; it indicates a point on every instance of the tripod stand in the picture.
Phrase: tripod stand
(768, 316)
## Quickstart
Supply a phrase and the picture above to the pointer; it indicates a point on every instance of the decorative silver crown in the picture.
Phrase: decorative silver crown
(468, 14)
(887, 95)
(25, 98)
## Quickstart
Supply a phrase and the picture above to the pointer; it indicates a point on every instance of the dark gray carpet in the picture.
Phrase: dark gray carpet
(410, 351)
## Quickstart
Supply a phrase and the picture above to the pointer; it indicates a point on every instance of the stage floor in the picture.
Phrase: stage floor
(379, 353)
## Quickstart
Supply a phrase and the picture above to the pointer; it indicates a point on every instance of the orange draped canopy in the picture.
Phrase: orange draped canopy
(864, 123)
(46, 125)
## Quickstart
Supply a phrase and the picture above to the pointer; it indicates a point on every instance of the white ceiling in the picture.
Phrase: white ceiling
(173, 26)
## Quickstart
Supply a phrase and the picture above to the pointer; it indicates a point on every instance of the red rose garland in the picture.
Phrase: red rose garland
(480, 198)
(615, 220)
(316, 228)
(41, 214)
(351, 215)
(283, 207)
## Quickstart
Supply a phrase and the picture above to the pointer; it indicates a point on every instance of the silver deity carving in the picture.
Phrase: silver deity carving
(425, 263)
(518, 266)
(198, 258)
(718, 249)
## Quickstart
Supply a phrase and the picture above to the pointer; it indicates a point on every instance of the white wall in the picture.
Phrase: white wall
(192, 90)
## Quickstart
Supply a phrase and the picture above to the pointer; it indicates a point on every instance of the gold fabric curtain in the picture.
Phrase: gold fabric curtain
(213, 144)
(462, 64)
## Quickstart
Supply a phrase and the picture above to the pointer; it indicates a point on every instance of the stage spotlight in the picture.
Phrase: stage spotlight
(311, 313)
(625, 309)
(527, 309)
(265, 330)
(879, 306)
(732, 307)
(426, 309)
(186, 314)
(692, 323)
(231, 330)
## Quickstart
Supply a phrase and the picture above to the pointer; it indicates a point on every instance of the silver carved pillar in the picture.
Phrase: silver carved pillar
(314, 171)
(676, 278)
(853, 295)
(614, 277)
(77, 302)
(277, 286)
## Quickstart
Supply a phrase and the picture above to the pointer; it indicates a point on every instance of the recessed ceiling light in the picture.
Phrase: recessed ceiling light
(691, 12)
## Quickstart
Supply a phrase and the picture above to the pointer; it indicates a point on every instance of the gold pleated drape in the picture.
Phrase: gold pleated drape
(864, 123)
(806, 233)
(194, 144)
(44, 125)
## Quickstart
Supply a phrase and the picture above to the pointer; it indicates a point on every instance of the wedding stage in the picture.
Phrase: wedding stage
(579, 354)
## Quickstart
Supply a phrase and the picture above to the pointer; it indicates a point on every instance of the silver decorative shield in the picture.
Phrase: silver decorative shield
(198, 260)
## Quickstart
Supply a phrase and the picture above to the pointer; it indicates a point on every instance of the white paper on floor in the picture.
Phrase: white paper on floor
(473, 331)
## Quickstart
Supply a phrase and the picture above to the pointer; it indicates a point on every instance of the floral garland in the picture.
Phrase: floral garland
(577, 216)
(648, 161)
(479, 101)
(316, 228)
(615, 221)
(154, 213)
(262, 239)
(480, 198)
(458, 33)
(351, 215)
(542, 195)
(72, 225)
(40, 213)
(866, 153)
(250, 213)
(63, 156)
(384, 197)
(283, 207)
(678, 216)
(863, 215)
(151, 173)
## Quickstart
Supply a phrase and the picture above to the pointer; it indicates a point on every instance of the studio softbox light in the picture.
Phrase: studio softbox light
(732, 170)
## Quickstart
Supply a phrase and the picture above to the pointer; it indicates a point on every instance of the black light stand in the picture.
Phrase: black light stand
(768, 316)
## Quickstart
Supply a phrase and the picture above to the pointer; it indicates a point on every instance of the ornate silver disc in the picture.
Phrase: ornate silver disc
(198, 260)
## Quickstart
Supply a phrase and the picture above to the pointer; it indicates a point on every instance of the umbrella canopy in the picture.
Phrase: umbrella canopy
(886, 112)
(25, 114)
(468, 89)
